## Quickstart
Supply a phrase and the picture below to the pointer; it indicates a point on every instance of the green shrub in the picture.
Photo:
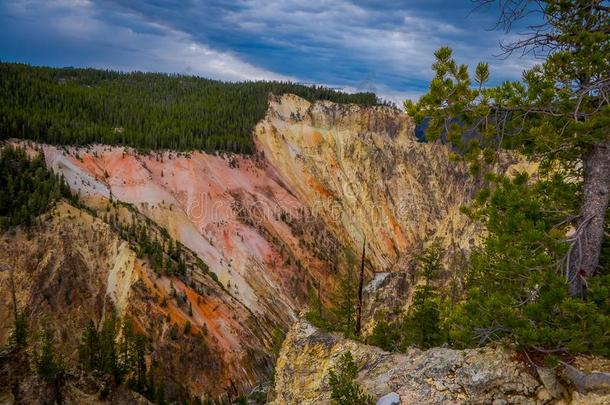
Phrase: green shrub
(385, 335)
(344, 390)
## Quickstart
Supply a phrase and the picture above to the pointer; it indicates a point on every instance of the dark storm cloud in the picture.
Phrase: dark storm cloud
(382, 46)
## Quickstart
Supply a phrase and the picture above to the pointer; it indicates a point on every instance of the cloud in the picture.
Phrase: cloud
(347, 42)
(365, 45)
(126, 41)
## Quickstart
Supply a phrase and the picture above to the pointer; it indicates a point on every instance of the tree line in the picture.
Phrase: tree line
(141, 110)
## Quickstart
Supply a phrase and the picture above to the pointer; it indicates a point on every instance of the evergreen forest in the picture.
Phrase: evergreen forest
(69, 106)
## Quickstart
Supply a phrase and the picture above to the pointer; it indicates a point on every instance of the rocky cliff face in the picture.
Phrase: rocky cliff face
(324, 177)
(363, 171)
(435, 376)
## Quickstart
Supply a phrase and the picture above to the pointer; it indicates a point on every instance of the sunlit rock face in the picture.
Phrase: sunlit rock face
(324, 178)
(364, 172)
(434, 376)
(226, 209)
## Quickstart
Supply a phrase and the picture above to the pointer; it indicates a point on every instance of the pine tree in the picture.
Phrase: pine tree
(89, 349)
(385, 334)
(143, 110)
(108, 350)
(344, 390)
(19, 334)
(559, 113)
(513, 288)
(345, 302)
(138, 349)
(315, 313)
(47, 363)
(421, 325)
(28, 188)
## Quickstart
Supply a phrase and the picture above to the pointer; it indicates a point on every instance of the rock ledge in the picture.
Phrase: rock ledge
(437, 376)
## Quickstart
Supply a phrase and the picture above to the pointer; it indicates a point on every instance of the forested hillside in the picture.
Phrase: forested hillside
(143, 110)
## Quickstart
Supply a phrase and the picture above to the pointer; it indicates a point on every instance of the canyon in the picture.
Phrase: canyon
(269, 227)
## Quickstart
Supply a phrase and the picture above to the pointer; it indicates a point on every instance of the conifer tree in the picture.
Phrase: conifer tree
(28, 188)
(421, 326)
(19, 334)
(385, 335)
(538, 278)
(344, 390)
(143, 110)
(315, 313)
(345, 300)
(47, 362)
(107, 348)
(559, 113)
(513, 288)
(89, 349)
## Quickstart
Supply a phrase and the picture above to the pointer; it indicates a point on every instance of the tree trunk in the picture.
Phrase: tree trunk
(589, 236)
(360, 286)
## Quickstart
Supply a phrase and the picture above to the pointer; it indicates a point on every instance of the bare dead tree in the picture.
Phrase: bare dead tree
(360, 290)
(319, 300)
(544, 36)
(11, 280)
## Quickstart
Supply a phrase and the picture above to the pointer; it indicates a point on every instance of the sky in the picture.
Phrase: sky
(381, 46)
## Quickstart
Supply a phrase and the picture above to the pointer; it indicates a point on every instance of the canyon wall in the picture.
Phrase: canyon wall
(364, 172)
(324, 177)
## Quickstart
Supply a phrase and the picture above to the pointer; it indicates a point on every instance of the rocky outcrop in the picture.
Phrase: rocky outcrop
(436, 376)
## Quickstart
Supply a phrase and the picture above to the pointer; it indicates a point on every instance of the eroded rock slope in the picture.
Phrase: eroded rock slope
(293, 215)
(75, 269)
